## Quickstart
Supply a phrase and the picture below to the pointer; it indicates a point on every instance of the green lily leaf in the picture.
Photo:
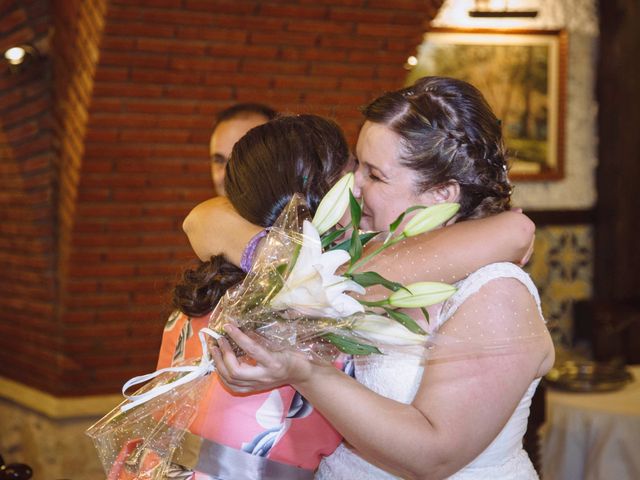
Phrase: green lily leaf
(425, 313)
(364, 239)
(405, 320)
(366, 279)
(350, 346)
(355, 249)
(356, 211)
(282, 268)
(328, 238)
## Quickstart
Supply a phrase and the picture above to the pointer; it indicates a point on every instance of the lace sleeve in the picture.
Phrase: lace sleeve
(496, 309)
(472, 386)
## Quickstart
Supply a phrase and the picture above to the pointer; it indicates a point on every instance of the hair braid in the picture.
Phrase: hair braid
(449, 133)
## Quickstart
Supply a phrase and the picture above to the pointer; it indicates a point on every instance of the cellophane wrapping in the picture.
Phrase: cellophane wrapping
(139, 443)
(303, 329)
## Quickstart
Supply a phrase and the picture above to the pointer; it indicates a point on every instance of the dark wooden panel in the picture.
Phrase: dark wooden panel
(561, 217)
(617, 258)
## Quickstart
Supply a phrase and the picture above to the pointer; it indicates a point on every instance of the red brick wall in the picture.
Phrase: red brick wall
(76, 24)
(29, 340)
(165, 68)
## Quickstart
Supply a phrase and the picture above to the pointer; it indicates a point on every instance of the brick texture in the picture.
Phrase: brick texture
(29, 337)
(135, 88)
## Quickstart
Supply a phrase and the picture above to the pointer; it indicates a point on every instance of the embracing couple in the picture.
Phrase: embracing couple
(461, 415)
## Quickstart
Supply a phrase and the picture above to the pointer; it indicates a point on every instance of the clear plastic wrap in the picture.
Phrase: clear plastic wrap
(316, 317)
(138, 443)
(291, 299)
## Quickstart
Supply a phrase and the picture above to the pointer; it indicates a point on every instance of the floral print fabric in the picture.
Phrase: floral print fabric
(278, 424)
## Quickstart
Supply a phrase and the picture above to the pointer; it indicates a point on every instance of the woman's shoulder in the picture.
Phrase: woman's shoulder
(496, 309)
(494, 271)
(485, 276)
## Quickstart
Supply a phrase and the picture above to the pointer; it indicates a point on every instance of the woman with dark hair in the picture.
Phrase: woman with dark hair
(275, 431)
(463, 416)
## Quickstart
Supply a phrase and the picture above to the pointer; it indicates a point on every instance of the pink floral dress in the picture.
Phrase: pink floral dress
(279, 425)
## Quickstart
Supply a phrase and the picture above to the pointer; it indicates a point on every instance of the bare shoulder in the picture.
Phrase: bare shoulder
(505, 312)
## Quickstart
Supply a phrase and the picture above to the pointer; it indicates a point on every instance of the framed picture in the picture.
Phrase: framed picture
(522, 74)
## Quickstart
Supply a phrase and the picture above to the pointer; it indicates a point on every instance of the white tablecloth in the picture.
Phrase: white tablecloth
(593, 436)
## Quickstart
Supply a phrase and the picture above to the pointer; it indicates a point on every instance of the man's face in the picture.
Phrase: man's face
(222, 141)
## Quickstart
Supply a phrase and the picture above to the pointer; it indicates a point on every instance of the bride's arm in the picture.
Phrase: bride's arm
(447, 254)
(451, 253)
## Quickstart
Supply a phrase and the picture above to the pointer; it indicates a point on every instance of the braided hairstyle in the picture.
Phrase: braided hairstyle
(449, 134)
(291, 154)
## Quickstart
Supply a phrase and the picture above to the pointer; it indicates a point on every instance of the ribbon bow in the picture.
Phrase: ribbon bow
(205, 367)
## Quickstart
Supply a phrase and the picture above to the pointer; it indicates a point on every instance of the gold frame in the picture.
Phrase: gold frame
(539, 107)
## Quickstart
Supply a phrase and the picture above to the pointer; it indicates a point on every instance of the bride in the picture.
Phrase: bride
(463, 416)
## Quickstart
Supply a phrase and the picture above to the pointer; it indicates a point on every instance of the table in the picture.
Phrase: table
(592, 436)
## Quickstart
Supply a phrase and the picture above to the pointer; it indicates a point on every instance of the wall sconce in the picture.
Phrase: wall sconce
(486, 9)
(411, 62)
(21, 56)
(18, 55)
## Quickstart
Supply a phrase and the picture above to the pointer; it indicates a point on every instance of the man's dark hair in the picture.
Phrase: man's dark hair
(240, 110)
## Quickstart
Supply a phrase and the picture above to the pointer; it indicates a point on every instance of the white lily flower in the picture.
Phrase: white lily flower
(383, 331)
(421, 294)
(312, 287)
(333, 204)
(430, 218)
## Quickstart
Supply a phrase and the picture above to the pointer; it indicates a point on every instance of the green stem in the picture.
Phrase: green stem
(377, 303)
(285, 274)
(366, 259)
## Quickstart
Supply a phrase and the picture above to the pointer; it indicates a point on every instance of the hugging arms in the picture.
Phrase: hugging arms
(434, 142)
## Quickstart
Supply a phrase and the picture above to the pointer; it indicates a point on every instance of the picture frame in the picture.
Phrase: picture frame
(522, 74)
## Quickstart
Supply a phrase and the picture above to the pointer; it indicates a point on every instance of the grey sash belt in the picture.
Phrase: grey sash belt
(212, 458)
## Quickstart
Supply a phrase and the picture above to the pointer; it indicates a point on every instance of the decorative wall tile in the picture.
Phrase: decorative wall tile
(562, 269)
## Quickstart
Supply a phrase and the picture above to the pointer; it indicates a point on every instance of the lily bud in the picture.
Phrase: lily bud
(430, 218)
(383, 331)
(421, 294)
(333, 204)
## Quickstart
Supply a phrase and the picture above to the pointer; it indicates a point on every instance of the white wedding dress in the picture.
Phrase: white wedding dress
(398, 376)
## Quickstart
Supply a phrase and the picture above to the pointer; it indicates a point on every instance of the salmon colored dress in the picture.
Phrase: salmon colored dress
(271, 435)
(278, 424)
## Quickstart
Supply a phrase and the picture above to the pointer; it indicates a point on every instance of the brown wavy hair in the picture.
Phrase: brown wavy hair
(449, 133)
(291, 154)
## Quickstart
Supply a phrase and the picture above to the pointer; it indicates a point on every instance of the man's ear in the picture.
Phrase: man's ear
(447, 192)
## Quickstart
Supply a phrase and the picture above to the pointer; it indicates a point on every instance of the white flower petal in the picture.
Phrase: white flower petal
(329, 262)
(346, 305)
(340, 285)
(312, 287)
(333, 204)
(385, 331)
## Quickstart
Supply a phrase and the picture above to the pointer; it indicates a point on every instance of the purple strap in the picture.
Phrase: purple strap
(246, 261)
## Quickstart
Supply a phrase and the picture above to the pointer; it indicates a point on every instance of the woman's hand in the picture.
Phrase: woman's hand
(271, 370)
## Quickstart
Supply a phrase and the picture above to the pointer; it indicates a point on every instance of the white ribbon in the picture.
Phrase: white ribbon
(193, 372)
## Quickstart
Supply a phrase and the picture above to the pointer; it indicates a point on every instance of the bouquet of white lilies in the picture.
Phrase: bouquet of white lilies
(294, 297)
